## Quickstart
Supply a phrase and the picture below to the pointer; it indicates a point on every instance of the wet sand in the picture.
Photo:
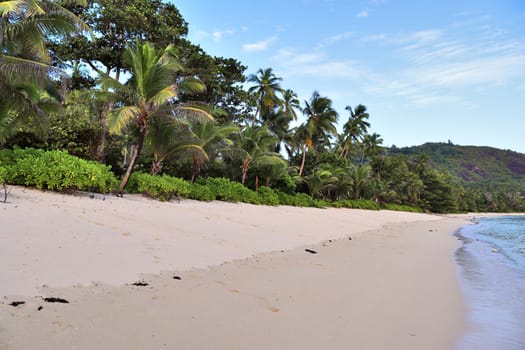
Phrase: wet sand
(221, 275)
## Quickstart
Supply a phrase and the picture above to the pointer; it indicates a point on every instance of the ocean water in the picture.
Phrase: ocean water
(492, 274)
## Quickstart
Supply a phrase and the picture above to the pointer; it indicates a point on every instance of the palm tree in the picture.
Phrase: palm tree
(370, 146)
(360, 176)
(354, 129)
(25, 64)
(266, 88)
(167, 137)
(149, 93)
(211, 139)
(255, 149)
(279, 124)
(319, 126)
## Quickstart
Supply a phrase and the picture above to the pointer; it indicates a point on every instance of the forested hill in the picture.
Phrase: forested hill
(476, 166)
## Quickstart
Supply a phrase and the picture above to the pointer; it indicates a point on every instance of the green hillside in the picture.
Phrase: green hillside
(477, 167)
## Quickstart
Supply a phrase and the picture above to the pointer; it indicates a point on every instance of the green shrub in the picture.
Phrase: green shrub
(296, 200)
(267, 196)
(401, 207)
(55, 170)
(356, 204)
(230, 191)
(3, 175)
(201, 193)
(284, 198)
(162, 187)
(320, 203)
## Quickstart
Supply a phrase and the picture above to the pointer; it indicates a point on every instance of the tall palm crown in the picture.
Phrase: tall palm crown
(319, 126)
(266, 88)
(256, 147)
(290, 104)
(321, 121)
(354, 129)
(25, 66)
(148, 93)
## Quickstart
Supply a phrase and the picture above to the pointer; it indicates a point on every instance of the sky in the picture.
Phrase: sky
(427, 71)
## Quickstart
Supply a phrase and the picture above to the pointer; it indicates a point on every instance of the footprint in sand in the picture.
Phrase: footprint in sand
(273, 308)
(62, 326)
(265, 301)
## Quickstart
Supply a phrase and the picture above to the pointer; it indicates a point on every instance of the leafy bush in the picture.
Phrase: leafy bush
(201, 193)
(230, 191)
(296, 200)
(55, 170)
(267, 196)
(320, 203)
(160, 187)
(400, 207)
(3, 175)
(356, 204)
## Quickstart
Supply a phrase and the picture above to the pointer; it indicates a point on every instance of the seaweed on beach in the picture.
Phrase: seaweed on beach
(16, 303)
(140, 284)
(56, 300)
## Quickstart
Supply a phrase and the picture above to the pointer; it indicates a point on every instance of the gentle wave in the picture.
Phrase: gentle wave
(492, 274)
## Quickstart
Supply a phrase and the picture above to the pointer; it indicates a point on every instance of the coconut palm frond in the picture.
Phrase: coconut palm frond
(194, 112)
(164, 95)
(191, 86)
(119, 118)
(13, 6)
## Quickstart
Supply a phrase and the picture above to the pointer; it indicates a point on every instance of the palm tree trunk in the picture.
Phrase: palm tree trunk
(100, 152)
(244, 168)
(156, 167)
(133, 160)
(302, 162)
(195, 167)
(255, 116)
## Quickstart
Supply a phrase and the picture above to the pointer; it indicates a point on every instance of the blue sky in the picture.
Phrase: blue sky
(426, 70)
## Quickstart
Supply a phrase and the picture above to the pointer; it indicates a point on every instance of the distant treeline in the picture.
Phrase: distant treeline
(122, 86)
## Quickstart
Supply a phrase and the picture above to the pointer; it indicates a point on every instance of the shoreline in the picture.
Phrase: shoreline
(493, 285)
(394, 283)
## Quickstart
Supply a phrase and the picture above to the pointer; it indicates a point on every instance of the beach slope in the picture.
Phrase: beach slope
(222, 275)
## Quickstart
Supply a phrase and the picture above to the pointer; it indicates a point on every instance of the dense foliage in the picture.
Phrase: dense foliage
(493, 179)
(55, 170)
(171, 121)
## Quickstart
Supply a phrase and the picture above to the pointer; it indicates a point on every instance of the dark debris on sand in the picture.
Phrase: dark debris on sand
(56, 300)
(140, 284)
(16, 303)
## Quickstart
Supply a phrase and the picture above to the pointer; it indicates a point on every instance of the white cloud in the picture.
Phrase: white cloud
(374, 37)
(262, 45)
(201, 35)
(218, 34)
(306, 58)
(331, 69)
(475, 72)
(427, 35)
(333, 39)
(316, 64)
(363, 13)
(420, 38)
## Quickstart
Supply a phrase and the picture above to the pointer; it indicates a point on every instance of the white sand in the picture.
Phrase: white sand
(392, 286)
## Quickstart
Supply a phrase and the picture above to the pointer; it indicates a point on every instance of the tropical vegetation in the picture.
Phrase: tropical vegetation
(97, 96)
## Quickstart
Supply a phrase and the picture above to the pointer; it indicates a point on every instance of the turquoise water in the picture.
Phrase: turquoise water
(492, 274)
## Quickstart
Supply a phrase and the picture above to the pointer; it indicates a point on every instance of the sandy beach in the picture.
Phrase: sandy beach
(221, 275)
